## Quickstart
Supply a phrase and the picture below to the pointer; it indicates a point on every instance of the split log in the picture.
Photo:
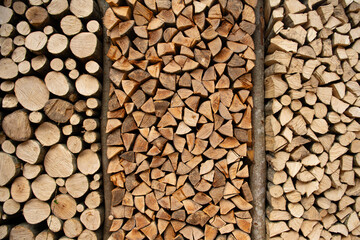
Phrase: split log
(307, 80)
(182, 108)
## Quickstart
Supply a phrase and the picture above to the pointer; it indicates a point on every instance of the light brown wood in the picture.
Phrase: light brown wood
(37, 16)
(173, 103)
(91, 50)
(43, 187)
(63, 206)
(59, 161)
(36, 211)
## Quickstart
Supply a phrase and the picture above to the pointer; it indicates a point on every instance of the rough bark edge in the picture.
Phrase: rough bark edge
(107, 185)
(258, 167)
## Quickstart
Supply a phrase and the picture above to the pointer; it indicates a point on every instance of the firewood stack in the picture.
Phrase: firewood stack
(179, 119)
(312, 124)
(50, 71)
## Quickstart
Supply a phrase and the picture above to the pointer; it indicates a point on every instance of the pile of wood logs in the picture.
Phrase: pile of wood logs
(312, 124)
(179, 118)
(50, 71)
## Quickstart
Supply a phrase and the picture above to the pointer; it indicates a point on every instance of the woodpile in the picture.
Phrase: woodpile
(312, 125)
(179, 119)
(50, 165)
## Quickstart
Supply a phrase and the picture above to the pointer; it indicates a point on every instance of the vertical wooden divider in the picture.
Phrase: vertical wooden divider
(103, 118)
(258, 168)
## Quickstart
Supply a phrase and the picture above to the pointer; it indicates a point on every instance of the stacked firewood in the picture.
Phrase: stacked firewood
(179, 119)
(50, 71)
(312, 124)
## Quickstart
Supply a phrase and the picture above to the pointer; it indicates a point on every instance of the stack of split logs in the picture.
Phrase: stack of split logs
(50, 98)
(179, 119)
(312, 124)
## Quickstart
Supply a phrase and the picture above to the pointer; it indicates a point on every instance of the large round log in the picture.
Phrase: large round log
(72, 227)
(36, 42)
(48, 134)
(89, 235)
(43, 187)
(31, 171)
(71, 25)
(58, 84)
(37, 16)
(92, 218)
(11, 207)
(16, 126)
(58, 8)
(77, 185)
(64, 206)
(20, 189)
(36, 211)
(46, 235)
(4, 194)
(88, 85)
(5, 14)
(88, 162)
(59, 161)
(23, 231)
(8, 69)
(9, 168)
(31, 93)
(58, 44)
(86, 46)
(4, 231)
(93, 199)
(30, 151)
(84, 8)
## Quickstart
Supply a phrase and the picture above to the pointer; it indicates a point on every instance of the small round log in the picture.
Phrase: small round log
(71, 25)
